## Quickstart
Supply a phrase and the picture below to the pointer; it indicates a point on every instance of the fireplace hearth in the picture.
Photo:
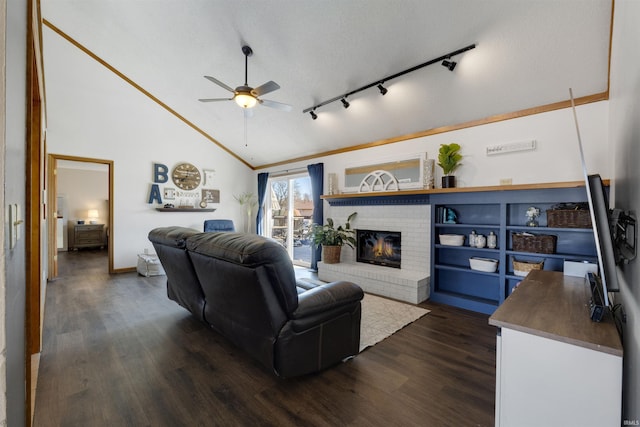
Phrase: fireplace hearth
(379, 247)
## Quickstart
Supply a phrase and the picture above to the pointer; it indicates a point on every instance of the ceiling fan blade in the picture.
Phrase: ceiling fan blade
(219, 83)
(215, 99)
(276, 105)
(269, 86)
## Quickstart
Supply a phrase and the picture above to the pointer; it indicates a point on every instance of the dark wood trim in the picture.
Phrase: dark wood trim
(35, 212)
(51, 215)
(123, 270)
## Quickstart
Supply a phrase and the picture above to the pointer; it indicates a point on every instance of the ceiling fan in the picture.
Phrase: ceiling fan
(246, 96)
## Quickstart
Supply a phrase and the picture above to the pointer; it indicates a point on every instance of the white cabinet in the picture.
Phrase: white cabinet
(555, 367)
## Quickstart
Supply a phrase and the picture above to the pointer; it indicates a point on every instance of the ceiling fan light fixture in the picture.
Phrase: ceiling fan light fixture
(245, 100)
(246, 96)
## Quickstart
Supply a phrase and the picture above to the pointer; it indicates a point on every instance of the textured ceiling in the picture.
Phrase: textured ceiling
(528, 54)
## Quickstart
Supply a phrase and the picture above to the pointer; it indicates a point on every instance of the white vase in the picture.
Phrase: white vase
(333, 184)
(428, 174)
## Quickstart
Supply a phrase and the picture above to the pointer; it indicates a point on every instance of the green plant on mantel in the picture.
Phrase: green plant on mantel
(449, 158)
(329, 235)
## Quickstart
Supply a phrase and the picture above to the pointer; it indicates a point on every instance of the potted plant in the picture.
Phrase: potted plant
(332, 239)
(449, 160)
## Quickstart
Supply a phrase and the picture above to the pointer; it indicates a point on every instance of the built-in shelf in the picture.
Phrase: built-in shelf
(185, 209)
(503, 212)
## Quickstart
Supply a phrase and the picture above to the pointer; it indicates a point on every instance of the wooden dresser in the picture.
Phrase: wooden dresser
(554, 366)
(86, 236)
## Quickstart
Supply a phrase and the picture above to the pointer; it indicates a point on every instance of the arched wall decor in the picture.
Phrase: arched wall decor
(378, 180)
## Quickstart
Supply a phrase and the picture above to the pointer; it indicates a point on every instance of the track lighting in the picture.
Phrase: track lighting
(444, 59)
(449, 64)
(313, 114)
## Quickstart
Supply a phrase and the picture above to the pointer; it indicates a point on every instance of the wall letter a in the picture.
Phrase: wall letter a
(154, 194)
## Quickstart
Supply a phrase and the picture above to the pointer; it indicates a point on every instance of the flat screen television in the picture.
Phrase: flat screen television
(603, 234)
(607, 278)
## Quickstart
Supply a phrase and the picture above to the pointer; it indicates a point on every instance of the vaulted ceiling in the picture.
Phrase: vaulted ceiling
(528, 54)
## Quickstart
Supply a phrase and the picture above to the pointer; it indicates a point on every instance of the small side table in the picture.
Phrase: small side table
(88, 236)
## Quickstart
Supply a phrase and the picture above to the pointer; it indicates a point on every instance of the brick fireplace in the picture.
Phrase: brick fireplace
(408, 283)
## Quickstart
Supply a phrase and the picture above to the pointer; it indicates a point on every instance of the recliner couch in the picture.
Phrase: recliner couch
(244, 287)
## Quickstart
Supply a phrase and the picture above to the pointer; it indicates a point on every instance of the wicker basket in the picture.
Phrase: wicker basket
(331, 254)
(537, 243)
(568, 218)
(522, 268)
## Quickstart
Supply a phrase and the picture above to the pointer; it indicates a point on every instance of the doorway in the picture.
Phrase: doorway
(80, 208)
(290, 213)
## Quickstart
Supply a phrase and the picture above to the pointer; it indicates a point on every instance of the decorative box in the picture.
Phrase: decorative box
(574, 216)
(522, 268)
(537, 243)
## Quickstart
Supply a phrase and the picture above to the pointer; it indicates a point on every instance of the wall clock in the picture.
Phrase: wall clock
(186, 176)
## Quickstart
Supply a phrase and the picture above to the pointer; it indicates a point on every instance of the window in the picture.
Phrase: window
(290, 214)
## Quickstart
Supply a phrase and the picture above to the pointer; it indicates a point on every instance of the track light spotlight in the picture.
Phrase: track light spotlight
(449, 64)
(345, 104)
(313, 115)
(383, 90)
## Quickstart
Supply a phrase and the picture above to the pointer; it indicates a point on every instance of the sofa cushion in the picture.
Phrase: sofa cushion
(182, 283)
(212, 225)
(251, 250)
(171, 236)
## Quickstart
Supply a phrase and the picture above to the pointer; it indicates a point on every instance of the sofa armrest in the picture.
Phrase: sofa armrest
(326, 298)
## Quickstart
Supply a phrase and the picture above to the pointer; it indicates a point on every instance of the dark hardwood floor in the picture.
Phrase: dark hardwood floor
(118, 352)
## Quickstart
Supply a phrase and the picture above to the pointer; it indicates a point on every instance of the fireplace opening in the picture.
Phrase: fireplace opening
(378, 247)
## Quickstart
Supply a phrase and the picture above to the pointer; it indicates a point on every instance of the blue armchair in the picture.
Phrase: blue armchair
(218, 225)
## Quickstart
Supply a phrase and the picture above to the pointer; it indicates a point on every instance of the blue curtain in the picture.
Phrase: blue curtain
(316, 174)
(262, 191)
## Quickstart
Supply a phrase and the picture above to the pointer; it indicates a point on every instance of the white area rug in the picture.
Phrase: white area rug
(382, 317)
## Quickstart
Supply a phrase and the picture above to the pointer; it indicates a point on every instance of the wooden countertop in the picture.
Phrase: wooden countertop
(554, 306)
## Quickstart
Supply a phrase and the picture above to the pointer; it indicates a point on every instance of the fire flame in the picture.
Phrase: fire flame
(382, 248)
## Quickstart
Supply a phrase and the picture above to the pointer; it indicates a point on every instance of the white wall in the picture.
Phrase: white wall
(94, 114)
(556, 157)
(625, 142)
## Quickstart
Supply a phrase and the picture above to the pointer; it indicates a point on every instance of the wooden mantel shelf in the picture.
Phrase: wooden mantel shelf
(185, 209)
(418, 192)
